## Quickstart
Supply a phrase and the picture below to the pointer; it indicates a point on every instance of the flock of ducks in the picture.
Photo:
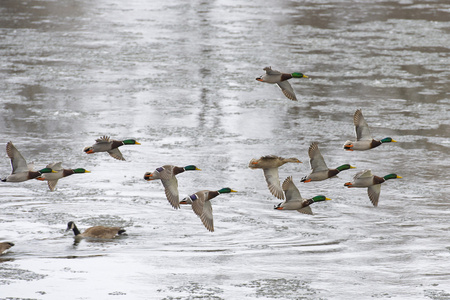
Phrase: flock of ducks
(200, 201)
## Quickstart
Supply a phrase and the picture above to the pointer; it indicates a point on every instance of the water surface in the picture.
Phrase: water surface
(180, 78)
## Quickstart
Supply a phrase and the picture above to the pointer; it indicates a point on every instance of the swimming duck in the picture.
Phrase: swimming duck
(201, 205)
(100, 232)
(274, 76)
(364, 140)
(5, 246)
(105, 144)
(52, 178)
(371, 182)
(167, 175)
(21, 171)
(270, 164)
(294, 200)
(319, 168)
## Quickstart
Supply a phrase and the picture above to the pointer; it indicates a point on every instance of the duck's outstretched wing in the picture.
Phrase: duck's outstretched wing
(18, 163)
(273, 182)
(361, 127)
(287, 90)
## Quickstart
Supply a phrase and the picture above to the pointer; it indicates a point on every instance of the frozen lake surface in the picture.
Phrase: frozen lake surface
(180, 78)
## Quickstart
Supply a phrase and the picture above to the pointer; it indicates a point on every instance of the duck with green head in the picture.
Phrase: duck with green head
(21, 171)
(319, 169)
(167, 175)
(365, 179)
(295, 201)
(58, 173)
(364, 140)
(280, 79)
(105, 144)
(201, 205)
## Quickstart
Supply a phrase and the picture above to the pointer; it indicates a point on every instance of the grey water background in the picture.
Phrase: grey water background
(179, 76)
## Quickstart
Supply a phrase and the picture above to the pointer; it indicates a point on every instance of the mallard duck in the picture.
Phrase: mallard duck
(52, 178)
(294, 200)
(364, 140)
(167, 175)
(21, 171)
(319, 169)
(201, 205)
(371, 182)
(5, 246)
(270, 164)
(105, 144)
(280, 79)
(99, 232)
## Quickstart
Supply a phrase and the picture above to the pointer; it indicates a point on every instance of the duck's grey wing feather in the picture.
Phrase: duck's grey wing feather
(273, 182)
(56, 166)
(361, 127)
(52, 184)
(30, 166)
(374, 193)
(363, 174)
(290, 190)
(103, 139)
(197, 205)
(171, 190)
(18, 163)
(116, 154)
(207, 216)
(287, 90)
(306, 210)
(269, 71)
(316, 159)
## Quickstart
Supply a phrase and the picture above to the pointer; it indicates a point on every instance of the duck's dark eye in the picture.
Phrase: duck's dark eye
(160, 169)
(193, 197)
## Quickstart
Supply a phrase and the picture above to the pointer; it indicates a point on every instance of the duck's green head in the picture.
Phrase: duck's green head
(320, 198)
(191, 168)
(80, 170)
(299, 75)
(391, 176)
(130, 142)
(345, 167)
(226, 190)
(388, 140)
(47, 170)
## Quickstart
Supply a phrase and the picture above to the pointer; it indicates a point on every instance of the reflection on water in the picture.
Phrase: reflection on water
(179, 77)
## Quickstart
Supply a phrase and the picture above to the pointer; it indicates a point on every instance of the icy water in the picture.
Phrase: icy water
(179, 76)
